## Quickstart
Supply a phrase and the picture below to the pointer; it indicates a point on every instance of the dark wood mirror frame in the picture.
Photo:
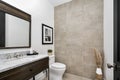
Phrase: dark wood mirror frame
(7, 8)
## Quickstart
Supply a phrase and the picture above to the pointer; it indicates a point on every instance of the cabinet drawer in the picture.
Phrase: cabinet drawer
(38, 66)
(25, 72)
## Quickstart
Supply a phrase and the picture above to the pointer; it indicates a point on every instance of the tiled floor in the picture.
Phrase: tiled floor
(73, 77)
(68, 76)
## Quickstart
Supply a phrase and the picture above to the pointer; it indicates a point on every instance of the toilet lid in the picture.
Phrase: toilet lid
(58, 65)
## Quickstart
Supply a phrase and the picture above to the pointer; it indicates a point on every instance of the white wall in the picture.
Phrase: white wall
(58, 2)
(42, 12)
(108, 38)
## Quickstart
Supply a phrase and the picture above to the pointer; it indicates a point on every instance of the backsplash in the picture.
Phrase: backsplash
(14, 55)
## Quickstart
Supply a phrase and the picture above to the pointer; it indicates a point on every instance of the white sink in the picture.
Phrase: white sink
(12, 63)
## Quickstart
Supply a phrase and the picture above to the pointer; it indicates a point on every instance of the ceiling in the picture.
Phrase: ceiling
(58, 2)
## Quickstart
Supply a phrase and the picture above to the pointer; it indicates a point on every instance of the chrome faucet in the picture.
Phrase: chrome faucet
(8, 56)
(16, 55)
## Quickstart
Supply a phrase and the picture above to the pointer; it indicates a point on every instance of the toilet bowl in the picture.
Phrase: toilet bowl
(56, 70)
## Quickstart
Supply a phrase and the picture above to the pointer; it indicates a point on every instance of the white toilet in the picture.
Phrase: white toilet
(56, 69)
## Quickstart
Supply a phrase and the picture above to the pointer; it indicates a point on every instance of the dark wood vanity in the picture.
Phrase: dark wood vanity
(10, 15)
(27, 71)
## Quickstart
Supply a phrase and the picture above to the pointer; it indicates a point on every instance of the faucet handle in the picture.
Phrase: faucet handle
(15, 55)
(8, 56)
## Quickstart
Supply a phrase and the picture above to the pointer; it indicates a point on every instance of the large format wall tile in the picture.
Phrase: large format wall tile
(79, 29)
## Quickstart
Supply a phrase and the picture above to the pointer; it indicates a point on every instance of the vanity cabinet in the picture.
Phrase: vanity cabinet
(27, 71)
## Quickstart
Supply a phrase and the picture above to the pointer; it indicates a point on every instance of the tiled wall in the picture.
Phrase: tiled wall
(78, 29)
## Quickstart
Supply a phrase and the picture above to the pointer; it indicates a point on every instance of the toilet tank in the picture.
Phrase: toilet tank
(51, 59)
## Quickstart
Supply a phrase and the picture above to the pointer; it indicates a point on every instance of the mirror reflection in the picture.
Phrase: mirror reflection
(14, 31)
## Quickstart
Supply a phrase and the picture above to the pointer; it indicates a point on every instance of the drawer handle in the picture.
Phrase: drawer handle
(30, 70)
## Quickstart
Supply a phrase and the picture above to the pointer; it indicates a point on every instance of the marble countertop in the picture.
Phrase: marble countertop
(13, 63)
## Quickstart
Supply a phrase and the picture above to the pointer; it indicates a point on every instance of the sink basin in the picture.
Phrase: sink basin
(16, 62)
(13, 62)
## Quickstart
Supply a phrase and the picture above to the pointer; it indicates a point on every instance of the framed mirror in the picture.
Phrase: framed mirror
(15, 27)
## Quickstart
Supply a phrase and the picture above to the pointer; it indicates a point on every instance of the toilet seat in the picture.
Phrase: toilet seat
(58, 65)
